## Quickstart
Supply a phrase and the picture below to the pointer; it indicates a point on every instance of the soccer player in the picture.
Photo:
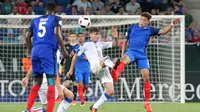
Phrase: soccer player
(138, 36)
(65, 62)
(46, 32)
(60, 89)
(98, 64)
(82, 70)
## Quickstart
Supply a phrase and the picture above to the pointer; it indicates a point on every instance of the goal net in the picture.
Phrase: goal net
(166, 55)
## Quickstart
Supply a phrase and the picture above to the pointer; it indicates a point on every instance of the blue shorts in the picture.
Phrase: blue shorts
(43, 61)
(139, 57)
(82, 75)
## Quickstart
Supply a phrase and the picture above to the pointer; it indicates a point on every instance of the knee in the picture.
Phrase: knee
(110, 92)
(126, 59)
(45, 107)
(71, 95)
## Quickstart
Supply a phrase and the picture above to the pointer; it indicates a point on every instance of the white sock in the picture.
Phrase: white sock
(64, 105)
(108, 63)
(104, 97)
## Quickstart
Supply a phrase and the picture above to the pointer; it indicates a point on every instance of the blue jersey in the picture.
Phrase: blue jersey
(138, 37)
(43, 31)
(81, 63)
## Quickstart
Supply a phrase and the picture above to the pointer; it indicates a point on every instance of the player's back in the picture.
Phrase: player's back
(43, 31)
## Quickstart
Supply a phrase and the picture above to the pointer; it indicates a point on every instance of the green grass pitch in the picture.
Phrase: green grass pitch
(116, 107)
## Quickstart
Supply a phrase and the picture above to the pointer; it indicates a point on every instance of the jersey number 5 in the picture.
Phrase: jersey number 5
(42, 29)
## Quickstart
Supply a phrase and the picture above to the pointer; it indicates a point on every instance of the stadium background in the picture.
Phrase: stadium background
(11, 89)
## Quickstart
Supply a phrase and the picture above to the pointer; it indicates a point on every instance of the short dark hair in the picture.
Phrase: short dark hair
(147, 15)
(93, 29)
(72, 33)
(80, 33)
(51, 6)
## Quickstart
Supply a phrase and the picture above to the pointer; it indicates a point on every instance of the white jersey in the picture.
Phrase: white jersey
(93, 52)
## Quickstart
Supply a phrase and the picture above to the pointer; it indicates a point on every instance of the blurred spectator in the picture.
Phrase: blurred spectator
(106, 10)
(116, 5)
(30, 11)
(47, 1)
(82, 3)
(147, 5)
(10, 38)
(6, 7)
(21, 38)
(170, 11)
(122, 11)
(73, 11)
(81, 11)
(154, 12)
(188, 17)
(188, 35)
(64, 3)
(139, 11)
(22, 7)
(132, 7)
(59, 10)
(196, 36)
(88, 11)
(14, 21)
(97, 5)
(39, 9)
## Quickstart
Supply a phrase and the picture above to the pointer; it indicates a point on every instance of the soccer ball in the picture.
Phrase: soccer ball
(84, 21)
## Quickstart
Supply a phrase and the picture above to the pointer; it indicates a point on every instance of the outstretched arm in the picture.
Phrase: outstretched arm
(166, 29)
(27, 77)
(72, 65)
(124, 47)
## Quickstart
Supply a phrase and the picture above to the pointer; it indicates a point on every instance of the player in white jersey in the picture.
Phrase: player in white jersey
(98, 64)
(60, 89)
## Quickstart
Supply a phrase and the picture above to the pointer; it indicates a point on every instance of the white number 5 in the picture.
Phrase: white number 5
(42, 28)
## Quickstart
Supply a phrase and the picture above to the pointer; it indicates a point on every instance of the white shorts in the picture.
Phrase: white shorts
(96, 67)
(43, 93)
(102, 73)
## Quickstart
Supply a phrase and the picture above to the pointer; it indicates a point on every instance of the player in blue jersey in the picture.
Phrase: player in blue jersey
(46, 33)
(82, 70)
(138, 36)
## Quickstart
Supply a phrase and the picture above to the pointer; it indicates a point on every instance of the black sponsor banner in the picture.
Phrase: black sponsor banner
(192, 87)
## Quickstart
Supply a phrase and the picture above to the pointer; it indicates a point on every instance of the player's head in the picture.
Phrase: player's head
(81, 38)
(144, 19)
(72, 37)
(50, 8)
(94, 34)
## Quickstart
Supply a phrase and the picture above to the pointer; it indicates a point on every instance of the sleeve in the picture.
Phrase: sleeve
(106, 45)
(57, 21)
(81, 50)
(127, 34)
(154, 31)
(30, 29)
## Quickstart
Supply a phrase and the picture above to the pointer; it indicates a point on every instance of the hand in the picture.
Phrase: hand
(25, 81)
(72, 54)
(177, 20)
(60, 70)
(69, 74)
(64, 54)
(85, 58)
(60, 94)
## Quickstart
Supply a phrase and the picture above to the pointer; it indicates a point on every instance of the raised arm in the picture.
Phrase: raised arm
(166, 29)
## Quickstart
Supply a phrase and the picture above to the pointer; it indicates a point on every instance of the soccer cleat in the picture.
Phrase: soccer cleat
(113, 72)
(25, 111)
(82, 104)
(93, 109)
(73, 102)
(148, 107)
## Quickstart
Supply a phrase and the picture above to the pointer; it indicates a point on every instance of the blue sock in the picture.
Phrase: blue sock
(68, 100)
(106, 95)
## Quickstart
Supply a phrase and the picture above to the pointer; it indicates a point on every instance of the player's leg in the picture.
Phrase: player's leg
(79, 80)
(74, 88)
(33, 92)
(38, 77)
(68, 97)
(109, 90)
(143, 65)
(85, 82)
(119, 66)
